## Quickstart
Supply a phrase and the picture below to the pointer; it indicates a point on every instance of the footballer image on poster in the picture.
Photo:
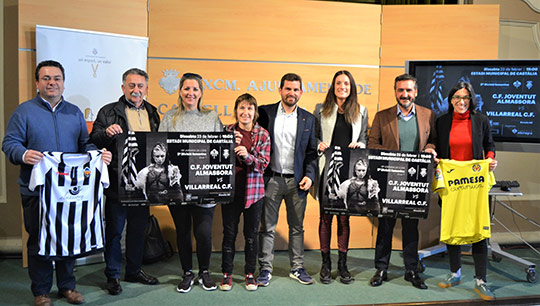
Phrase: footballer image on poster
(168, 168)
(379, 183)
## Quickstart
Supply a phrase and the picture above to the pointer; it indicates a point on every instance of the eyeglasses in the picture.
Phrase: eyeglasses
(189, 75)
(458, 98)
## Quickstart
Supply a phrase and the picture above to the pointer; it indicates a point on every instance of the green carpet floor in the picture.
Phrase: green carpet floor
(505, 278)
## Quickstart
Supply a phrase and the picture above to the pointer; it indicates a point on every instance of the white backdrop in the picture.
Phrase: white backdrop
(94, 63)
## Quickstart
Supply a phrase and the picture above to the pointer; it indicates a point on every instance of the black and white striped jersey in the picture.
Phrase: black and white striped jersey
(71, 203)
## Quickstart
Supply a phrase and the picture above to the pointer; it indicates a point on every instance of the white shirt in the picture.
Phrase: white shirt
(284, 141)
(71, 197)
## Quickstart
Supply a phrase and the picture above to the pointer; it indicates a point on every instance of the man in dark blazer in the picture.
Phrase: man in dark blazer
(402, 127)
(293, 165)
(130, 113)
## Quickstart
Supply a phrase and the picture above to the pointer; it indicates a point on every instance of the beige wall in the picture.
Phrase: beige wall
(519, 39)
(221, 41)
(519, 29)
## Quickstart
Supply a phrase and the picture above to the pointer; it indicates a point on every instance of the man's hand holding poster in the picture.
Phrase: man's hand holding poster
(176, 168)
(378, 183)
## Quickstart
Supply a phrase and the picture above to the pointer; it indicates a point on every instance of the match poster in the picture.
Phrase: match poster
(170, 168)
(377, 183)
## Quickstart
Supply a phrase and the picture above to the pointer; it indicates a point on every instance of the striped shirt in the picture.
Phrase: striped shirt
(71, 197)
(257, 161)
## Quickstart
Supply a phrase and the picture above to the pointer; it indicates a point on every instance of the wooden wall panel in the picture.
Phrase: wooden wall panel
(252, 40)
(387, 98)
(412, 32)
(224, 81)
(120, 17)
(27, 83)
(268, 30)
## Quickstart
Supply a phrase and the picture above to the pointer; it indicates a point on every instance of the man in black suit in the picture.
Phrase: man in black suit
(293, 164)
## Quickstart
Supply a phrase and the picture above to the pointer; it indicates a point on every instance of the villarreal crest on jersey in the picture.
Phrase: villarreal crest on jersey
(71, 195)
(463, 187)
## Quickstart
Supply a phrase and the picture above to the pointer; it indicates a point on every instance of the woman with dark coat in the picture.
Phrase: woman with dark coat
(464, 134)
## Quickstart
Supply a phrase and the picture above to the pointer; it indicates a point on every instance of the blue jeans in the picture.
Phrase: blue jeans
(116, 216)
(40, 269)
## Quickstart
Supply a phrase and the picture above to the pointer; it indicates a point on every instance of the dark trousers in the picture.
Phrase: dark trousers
(41, 269)
(325, 231)
(383, 247)
(116, 216)
(480, 258)
(231, 218)
(201, 218)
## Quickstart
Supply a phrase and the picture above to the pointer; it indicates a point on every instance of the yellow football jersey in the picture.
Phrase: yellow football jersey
(463, 187)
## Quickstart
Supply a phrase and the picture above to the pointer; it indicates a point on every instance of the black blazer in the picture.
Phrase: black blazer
(305, 152)
(482, 141)
(110, 114)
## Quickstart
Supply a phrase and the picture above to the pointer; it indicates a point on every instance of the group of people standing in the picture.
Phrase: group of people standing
(279, 157)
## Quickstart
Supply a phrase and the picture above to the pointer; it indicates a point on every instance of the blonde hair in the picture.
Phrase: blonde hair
(181, 108)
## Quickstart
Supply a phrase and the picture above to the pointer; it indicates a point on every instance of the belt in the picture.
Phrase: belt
(274, 173)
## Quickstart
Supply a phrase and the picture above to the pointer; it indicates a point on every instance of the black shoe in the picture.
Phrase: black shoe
(415, 279)
(378, 278)
(142, 278)
(113, 286)
(206, 281)
(186, 283)
(326, 268)
(344, 274)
